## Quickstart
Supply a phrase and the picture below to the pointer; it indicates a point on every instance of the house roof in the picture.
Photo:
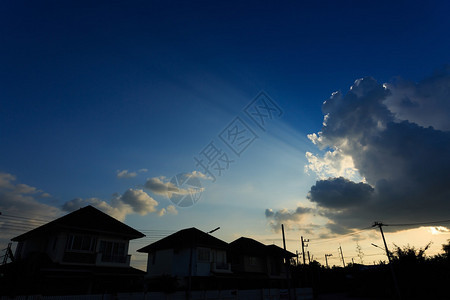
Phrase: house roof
(185, 238)
(250, 246)
(85, 219)
(274, 249)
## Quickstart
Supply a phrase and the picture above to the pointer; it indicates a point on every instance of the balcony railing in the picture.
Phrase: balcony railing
(103, 259)
(72, 257)
(92, 258)
(220, 267)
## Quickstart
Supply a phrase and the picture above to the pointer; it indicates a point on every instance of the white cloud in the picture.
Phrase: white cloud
(25, 189)
(162, 212)
(439, 230)
(116, 208)
(171, 209)
(132, 201)
(200, 175)
(6, 181)
(286, 217)
(332, 164)
(162, 186)
(128, 174)
(125, 174)
(140, 201)
(19, 198)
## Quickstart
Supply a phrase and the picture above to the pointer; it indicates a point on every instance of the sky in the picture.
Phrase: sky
(324, 116)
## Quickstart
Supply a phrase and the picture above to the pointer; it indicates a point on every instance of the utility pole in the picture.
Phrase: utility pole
(394, 277)
(309, 259)
(342, 255)
(287, 263)
(296, 252)
(326, 258)
(303, 248)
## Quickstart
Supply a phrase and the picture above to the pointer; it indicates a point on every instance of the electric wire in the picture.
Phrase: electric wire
(419, 223)
(321, 241)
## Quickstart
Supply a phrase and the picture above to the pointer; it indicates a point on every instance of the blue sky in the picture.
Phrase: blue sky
(89, 90)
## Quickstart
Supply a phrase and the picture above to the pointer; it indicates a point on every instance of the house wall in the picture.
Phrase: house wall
(180, 266)
(160, 263)
(275, 266)
(176, 262)
(254, 264)
(28, 247)
(203, 266)
(55, 246)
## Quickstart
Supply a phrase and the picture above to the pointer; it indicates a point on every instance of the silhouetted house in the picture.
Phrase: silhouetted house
(187, 253)
(194, 256)
(252, 260)
(82, 252)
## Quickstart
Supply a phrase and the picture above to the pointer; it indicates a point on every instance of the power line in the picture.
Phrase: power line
(420, 223)
(26, 218)
(341, 236)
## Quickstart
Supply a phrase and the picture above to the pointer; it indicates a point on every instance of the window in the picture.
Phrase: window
(203, 254)
(221, 257)
(253, 261)
(81, 243)
(113, 251)
(55, 242)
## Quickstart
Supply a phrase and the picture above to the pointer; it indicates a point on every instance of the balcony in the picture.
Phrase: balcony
(79, 258)
(113, 260)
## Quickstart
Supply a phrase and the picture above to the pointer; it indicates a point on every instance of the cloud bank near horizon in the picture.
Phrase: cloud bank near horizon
(25, 200)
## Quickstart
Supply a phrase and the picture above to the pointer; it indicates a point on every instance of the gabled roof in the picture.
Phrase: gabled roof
(185, 238)
(250, 246)
(87, 219)
(275, 250)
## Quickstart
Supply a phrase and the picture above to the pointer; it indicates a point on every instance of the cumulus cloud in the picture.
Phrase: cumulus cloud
(140, 201)
(125, 174)
(21, 199)
(332, 164)
(425, 103)
(18, 199)
(160, 186)
(439, 230)
(132, 201)
(171, 209)
(128, 174)
(339, 193)
(200, 175)
(286, 217)
(116, 208)
(404, 162)
(182, 184)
